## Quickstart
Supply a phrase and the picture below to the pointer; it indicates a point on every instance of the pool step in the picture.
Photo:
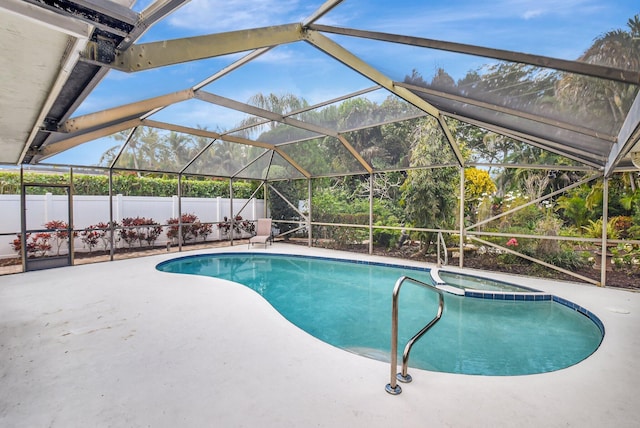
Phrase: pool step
(372, 353)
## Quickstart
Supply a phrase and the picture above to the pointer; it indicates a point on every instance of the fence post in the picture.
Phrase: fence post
(48, 207)
(119, 207)
(174, 206)
(218, 209)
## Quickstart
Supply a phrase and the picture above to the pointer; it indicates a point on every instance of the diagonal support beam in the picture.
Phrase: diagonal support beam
(578, 67)
(575, 154)
(287, 120)
(321, 11)
(105, 117)
(501, 109)
(60, 146)
(336, 51)
(207, 134)
(257, 111)
(452, 141)
(535, 201)
(168, 52)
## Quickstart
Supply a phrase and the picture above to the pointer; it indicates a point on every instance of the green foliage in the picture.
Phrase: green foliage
(574, 209)
(332, 203)
(594, 229)
(626, 257)
(281, 208)
(567, 258)
(525, 219)
(127, 184)
(386, 238)
(429, 195)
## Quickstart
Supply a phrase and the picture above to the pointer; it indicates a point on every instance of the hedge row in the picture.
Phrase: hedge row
(126, 184)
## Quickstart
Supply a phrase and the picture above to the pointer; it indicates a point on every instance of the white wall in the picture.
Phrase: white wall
(90, 210)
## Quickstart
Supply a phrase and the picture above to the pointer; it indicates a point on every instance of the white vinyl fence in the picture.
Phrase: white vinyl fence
(91, 210)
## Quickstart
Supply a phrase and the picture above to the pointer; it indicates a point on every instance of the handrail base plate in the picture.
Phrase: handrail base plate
(393, 390)
(404, 379)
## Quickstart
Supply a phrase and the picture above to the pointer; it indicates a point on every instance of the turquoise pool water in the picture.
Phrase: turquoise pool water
(348, 305)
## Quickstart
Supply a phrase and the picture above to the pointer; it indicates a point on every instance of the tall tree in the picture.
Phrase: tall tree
(429, 195)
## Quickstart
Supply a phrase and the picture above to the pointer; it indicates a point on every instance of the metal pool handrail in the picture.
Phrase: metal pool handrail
(392, 387)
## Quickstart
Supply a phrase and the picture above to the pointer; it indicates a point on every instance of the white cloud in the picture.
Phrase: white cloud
(227, 15)
(450, 20)
(532, 14)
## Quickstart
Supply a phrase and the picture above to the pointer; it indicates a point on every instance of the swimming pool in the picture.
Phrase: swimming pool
(348, 304)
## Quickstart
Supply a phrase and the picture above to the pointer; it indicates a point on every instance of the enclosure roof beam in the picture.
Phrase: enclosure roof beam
(336, 51)
(541, 143)
(347, 145)
(311, 107)
(578, 67)
(628, 138)
(104, 117)
(66, 144)
(228, 69)
(146, 56)
(509, 111)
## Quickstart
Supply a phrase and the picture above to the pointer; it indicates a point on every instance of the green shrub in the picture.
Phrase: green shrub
(567, 258)
(128, 184)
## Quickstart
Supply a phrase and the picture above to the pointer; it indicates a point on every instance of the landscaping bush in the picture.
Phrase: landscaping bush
(60, 233)
(191, 228)
(240, 226)
(38, 244)
(139, 229)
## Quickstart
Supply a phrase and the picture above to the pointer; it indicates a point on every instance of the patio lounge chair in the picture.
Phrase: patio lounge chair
(263, 232)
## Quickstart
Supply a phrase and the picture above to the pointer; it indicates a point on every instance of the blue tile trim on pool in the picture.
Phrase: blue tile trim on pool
(498, 295)
(494, 295)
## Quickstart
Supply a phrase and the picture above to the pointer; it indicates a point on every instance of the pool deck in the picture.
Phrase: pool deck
(120, 344)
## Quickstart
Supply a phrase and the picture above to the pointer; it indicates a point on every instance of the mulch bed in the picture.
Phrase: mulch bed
(492, 263)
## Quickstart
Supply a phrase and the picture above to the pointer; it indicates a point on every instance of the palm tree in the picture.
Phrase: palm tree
(597, 98)
(280, 104)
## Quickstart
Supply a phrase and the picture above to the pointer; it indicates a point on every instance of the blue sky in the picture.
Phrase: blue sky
(562, 29)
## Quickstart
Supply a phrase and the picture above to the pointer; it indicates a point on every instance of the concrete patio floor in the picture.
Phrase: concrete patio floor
(120, 344)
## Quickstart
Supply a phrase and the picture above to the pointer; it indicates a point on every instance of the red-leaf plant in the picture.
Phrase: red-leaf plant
(60, 233)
